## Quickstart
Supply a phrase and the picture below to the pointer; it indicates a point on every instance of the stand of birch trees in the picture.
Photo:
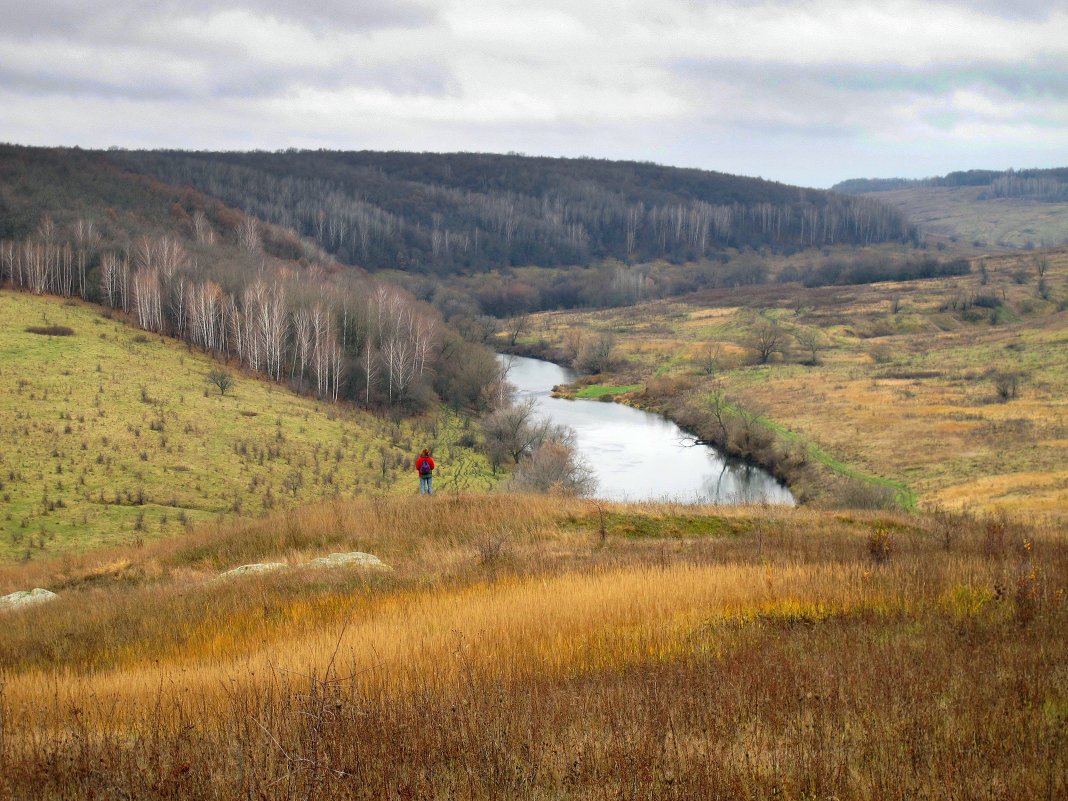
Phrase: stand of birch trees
(357, 339)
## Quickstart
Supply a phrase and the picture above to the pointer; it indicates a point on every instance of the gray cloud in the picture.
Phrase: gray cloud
(155, 51)
(830, 99)
(1043, 77)
(116, 18)
(1005, 9)
(223, 83)
(1014, 9)
(41, 84)
(789, 89)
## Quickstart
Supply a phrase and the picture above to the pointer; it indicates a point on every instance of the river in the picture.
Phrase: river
(639, 456)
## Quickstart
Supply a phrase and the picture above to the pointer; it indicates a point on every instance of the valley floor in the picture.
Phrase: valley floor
(949, 392)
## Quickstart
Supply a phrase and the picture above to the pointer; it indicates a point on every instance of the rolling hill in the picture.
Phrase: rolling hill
(535, 647)
(462, 212)
(979, 209)
(511, 646)
(943, 392)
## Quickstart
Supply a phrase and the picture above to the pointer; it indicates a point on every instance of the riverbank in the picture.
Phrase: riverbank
(638, 455)
(751, 441)
(943, 392)
(813, 475)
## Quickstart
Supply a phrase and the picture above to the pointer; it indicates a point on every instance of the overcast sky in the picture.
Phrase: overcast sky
(803, 91)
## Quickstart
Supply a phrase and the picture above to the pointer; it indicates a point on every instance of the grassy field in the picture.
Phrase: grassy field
(111, 435)
(957, 216)
(532, 647)
(905, 391)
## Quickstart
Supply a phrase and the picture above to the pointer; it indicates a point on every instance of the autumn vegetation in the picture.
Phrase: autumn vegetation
(458, 212)
(938, 392)
(527, 647)
(979, 209)
(228, 284)
(186, 389)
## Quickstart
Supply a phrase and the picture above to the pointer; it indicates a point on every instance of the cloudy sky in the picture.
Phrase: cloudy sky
(804, 91)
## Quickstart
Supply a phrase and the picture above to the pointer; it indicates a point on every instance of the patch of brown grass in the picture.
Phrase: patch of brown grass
(757, 652)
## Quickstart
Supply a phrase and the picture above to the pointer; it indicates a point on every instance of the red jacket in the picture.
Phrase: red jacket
(419, 462)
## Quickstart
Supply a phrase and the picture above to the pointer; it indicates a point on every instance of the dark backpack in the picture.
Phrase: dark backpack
(424, 467)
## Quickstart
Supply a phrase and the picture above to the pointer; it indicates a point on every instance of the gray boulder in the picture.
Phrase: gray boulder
(251, 570)
(352, 559)
(23, 598)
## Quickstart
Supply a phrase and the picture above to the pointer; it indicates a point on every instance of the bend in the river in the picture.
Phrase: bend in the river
(636, 455)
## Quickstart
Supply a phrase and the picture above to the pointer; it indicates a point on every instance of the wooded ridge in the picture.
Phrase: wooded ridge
(462, 212)
(1048, 185)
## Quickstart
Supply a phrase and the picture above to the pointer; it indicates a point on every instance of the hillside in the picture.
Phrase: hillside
(71, 185)
(462, 212)
(532, 648)
(947, 391)
(113, 435)
(183, 264)
(983, 209)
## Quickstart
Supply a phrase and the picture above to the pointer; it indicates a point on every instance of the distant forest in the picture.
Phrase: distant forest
(466, 213)
(1048, 185)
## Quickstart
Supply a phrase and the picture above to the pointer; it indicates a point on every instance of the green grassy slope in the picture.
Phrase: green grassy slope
(112, 435)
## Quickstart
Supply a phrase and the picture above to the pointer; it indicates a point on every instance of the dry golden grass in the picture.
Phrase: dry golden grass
(529, 647)
(905, 395)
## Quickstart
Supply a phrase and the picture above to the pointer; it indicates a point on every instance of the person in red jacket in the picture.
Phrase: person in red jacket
(424, 466)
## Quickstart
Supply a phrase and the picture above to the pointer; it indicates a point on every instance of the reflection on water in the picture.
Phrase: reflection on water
(638, 456)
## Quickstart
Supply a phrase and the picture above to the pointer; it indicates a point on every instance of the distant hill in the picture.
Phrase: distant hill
(462, 212)
(983, 208)
(1049, 185)
(70, 184)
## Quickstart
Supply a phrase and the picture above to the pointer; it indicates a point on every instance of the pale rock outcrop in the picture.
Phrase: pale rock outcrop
(253, 569)
(24, 598)
(351, 559)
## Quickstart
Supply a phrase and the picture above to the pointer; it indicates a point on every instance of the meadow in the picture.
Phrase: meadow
(964, 217)
(541, 647)
(947, 392)
(110, 434)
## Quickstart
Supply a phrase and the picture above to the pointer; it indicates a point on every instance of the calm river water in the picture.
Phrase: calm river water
(638, 456)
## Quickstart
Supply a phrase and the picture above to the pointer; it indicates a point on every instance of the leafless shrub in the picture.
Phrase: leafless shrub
(855, 493)
(881, 354)
(995, 536)
(554, 467)
(595, 354)
(1007, 384)
(492, 548)
(1025, 595)
(767, 339)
